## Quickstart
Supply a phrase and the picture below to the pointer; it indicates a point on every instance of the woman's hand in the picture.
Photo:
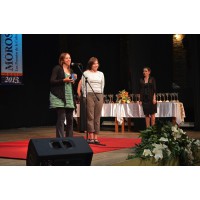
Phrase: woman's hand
(154, 101)
(68, 80)
(79, 94)
(75, 76)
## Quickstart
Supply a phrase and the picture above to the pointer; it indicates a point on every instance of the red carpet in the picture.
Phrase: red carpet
(18, 149)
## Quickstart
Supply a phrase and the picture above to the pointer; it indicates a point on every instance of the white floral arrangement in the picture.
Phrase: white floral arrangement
(164, 142)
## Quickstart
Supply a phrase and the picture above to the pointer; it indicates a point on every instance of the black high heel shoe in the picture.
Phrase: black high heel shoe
(91, 141)
(96, 141)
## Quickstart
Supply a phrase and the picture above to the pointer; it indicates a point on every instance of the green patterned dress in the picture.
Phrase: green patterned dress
(55, 102)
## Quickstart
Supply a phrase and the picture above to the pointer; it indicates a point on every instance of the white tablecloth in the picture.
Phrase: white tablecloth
(134, 110)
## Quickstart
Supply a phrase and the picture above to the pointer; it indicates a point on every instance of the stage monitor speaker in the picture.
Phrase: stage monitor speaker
(71, 151)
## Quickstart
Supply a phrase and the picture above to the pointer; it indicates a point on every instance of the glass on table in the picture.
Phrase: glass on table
(167, 97)
(134, 97)
(137, 97)
(110, 98)
(176, 97)
(172, 97)
(116, 98)
(157, 97)
(160, 97)
(105, 100)
(163, 95)
(131, 96)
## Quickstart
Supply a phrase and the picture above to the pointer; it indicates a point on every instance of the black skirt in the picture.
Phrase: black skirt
(149, 108)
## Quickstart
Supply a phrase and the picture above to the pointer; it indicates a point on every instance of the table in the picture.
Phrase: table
(135, 110)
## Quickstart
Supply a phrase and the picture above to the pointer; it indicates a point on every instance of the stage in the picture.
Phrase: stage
(99, 159)
(108, 158)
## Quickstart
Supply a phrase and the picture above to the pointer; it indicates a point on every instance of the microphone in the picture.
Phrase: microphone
(76, 64)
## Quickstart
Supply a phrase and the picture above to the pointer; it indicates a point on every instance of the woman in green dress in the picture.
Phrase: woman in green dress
(62, 95)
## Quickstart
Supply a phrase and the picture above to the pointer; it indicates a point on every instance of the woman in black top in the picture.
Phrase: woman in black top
(148, 96)
(62, 95)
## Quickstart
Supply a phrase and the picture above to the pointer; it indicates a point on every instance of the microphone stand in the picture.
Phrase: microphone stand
(86, 81)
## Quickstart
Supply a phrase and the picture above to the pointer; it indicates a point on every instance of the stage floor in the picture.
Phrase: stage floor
(99, 159)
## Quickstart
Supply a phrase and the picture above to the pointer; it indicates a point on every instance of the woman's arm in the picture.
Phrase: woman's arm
(79, 88)
(54, 80)
(154, 91)
(102, 83)
(141, 91)
(83, 85)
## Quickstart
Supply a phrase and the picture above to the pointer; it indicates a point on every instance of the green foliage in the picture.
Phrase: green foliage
(164, 142)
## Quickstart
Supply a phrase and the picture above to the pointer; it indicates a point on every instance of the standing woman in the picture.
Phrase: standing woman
(94, 107)
(62, 95)
(148, 96)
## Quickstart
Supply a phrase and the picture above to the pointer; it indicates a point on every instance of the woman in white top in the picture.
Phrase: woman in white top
(94, 105)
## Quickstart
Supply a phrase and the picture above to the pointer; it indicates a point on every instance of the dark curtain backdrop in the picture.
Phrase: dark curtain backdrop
(154, 51)
(193, 53)
(27, 105)
(105, 47)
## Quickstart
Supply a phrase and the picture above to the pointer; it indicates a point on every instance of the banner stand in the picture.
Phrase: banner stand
(11, 59)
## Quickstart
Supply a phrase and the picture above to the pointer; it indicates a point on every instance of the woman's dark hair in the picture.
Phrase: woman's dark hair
(148, 68)
(62, 57)
(91, 61)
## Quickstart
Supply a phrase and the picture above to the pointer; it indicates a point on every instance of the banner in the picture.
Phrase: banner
(11, 59)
